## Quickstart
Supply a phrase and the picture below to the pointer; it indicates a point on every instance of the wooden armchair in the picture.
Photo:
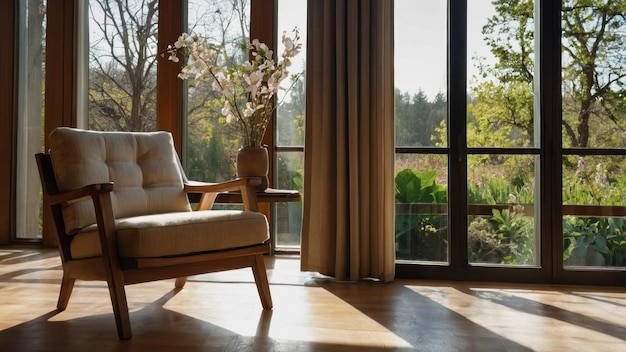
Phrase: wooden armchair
(122, 215)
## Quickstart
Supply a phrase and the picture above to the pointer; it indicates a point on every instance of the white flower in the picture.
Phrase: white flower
(249, 110)
(248, 87)
(173, 57)
(181, 42)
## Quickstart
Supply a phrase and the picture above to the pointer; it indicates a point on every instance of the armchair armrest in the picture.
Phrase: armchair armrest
(81, 194)
(232, 185)
(210, 190)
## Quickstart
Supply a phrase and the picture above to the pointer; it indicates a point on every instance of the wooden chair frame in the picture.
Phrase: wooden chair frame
(120, 272)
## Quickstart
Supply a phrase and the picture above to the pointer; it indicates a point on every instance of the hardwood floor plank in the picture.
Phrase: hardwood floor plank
(222, 312)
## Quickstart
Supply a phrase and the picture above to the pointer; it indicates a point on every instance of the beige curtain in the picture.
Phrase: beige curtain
(348, 214)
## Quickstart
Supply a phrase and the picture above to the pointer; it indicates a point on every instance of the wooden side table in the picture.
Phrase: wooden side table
(269, 195)
(264, 198)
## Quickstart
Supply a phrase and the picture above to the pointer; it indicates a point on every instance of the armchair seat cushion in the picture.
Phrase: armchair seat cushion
(179, 233)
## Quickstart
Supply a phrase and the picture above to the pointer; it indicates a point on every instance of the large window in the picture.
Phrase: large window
(494, 177)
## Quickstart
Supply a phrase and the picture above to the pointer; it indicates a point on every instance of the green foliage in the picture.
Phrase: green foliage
(499, 190)
(507, 236)
(587, 183)
(419, 187)
(594, 74)
(594, 241)
(416, 118)
(501, 115)
(517, 231)
(422, 236)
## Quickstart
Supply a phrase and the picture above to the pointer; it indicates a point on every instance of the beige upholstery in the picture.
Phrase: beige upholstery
(176, 233)
(147, 181)
(143, 167)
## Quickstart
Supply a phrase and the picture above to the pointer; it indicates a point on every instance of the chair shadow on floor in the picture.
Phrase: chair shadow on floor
(156, 326)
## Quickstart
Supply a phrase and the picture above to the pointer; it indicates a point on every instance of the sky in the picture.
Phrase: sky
(420, 39)
(420, 43)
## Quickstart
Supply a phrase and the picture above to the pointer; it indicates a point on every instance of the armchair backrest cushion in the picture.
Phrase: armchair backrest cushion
(143, 167)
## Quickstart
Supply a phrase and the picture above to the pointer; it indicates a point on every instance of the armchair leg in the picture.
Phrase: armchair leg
(120, 308)
(67, 285)
(262, 284)
(180, 282)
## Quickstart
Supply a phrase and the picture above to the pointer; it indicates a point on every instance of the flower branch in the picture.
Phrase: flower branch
(248, 87)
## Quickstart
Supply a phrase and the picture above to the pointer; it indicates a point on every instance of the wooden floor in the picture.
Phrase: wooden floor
(222, 312)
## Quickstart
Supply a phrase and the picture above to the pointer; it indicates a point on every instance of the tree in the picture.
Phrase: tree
(416, 117)
(122, 79)
(594, 66)
(594, 70)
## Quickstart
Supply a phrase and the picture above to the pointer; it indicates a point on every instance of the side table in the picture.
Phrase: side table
(264, 198)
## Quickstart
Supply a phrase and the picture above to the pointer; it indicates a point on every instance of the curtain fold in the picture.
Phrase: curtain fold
(348, 213)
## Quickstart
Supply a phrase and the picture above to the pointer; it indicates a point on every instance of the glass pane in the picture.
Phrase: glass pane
(594, 74)
(288, 216)
(212, 143)
(594, 211)
(500, 53)
(290, 115)
(420, 73)
(421, 224)
(290, 128)
(32, 43)
(122, 64)
(501, 210)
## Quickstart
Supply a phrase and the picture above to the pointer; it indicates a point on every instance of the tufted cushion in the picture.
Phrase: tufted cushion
(177, 234)
(142, 165)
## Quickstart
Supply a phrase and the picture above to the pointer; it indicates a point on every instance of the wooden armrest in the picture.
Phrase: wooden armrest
(210, 190)
(232, 185)
(81, 194)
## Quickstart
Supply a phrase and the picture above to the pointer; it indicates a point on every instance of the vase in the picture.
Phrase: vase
(253, 162)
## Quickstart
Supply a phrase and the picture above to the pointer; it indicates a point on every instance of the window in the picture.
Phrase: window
(502, 128)
(593, 139)
(122, 65)
(31, 52)
(421, 135)
(212, 143)
(532, 182)
(289, 131)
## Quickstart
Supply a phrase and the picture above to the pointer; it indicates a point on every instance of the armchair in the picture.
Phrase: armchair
(122, 215)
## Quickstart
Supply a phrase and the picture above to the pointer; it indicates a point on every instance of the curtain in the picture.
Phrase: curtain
(348, 208)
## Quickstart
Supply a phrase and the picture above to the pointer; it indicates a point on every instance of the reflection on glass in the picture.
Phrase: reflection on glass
(421, 193)
(501, 210)
(420, 73)
(501, 73)
(594, 212)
